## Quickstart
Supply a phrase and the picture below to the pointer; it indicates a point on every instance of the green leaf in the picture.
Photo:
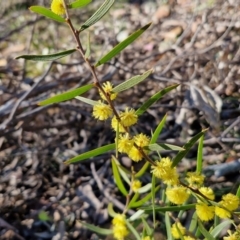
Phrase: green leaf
(154, 99)
(47, 13)
(142, 170)
(238, 192)
(218, 229)
(148, 229)
(134, 199)
(88, 50)
(87, 100)
(66, 95)
(200, 155)
(92, 153)
(133, 231)
(118, 48)
(111, 211)
(168, 226)
(143, 200)
(102, 10)
(145, 188)
(49, 57)
(117, 178)
(148, 209)
(136, 215)
(162, 146)
(193, 224)
(79, 3)
(43, 216)
(187, 148)
(204, 231)
(102, 231)
(131, 82)
(153, 199)
(158, 130)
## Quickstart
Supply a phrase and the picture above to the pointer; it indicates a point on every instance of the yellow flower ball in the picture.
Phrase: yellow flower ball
(232, 236)
(116, 125)
(124, 143)
(178, 230)
(221, 212)
(205, 212)
(177, 194)
(136, 184)
(57, 7)
(207, 192)
(129, 117)
(163, 170)
(141, 140)
(195, 179)
(108, 87)
(230, 201)
(135, 154)
(102, 111)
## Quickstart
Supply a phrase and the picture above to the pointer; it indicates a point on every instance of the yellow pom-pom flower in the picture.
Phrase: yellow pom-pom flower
(177, 194)
(146, 238)
(178, 230)
(207, 192)
(108, 87)
(57, 7)
(124, 143)
(141, 140)
(120, 230)
(221, 212)
(102, 111)
(116, 125)
(129, 117)
(232, 236)
(231, 201)
(136, 184)
(163, 170)
(205, 212)
(135, 154)
(195, 179)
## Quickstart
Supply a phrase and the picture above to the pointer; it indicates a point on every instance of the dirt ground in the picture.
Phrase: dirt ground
(193, 43)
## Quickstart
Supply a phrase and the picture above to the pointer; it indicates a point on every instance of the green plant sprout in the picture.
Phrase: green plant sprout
(179, 193)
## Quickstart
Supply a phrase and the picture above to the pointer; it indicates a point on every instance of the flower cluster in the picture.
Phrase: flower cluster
(57, 7)
(120, 230)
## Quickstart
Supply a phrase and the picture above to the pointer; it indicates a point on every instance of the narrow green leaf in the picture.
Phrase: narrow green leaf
(193, 224)
(153, 199)
(200, 155)
(131, 82)
(133, 231)
(145, 188)
(158, 130)
(204, 231)
(142, 170)
(134, 199)
(66, 95)
(168, 226)
(144, 199)
(79, 3)
(238, 192)
(162, 146)
(111, 211)
(117, 178)
(102, 231)
(47, 13)
(148, 229)
(154, 99)
(87, 100)
(88, 50)
(102, 10)
(136, 215)
(218, 229)
(118, 48)
(49, 57)
(187, 148)
(92, 153)
(148, 209)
